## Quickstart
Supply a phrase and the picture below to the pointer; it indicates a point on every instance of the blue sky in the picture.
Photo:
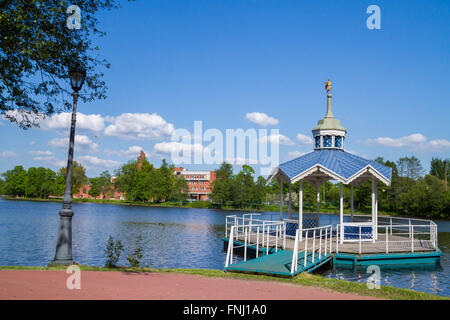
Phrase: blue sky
(174, 62)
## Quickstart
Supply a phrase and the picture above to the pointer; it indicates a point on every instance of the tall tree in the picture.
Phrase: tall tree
(15, 181)
(221, 187)
(36, 50)
(78, 178)
(410, 167)
(441, 169)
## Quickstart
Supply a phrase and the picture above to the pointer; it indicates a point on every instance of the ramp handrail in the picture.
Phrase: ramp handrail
(265, 235)
(324, 235)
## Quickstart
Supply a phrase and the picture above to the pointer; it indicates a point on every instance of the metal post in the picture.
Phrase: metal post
(337, 239)
(314, 245)
(63, 253)
(267, 240)
(276, 238)
(230, 248)
(294, 253)
(300, 209)
(306, 248)
(412, 238)
(257, 241)
(245, 243)
(391, 224)
(341, 213)
(331, 240)
(320, 243)
(325, 249)
(284, 235)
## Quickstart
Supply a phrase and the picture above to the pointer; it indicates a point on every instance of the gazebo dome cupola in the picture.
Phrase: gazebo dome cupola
(329, 132)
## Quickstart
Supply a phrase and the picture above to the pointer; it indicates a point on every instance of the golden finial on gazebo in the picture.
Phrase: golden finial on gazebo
(328, 86)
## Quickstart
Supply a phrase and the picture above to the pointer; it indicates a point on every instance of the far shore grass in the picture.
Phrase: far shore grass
(208, 205)
(303, 279)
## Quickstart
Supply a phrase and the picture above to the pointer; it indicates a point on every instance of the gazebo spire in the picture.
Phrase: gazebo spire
(329, 132)
(328, 89)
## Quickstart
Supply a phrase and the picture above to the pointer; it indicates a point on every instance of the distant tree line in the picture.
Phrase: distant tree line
(412, 192)
(40, 182)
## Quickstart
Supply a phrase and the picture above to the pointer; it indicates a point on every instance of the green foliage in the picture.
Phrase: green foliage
(15, 182)
(440, 168)
(113, 251)
(239, 190)
(135, 257)
(101, 185)
(36, 51)
(78, 178)
(147, 183)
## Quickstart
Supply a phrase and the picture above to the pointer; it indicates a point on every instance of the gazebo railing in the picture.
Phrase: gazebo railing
(393, 237)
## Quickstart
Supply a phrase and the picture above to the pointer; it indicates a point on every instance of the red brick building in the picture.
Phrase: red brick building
(199, 182)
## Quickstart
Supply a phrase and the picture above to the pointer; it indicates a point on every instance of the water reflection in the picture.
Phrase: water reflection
(171, 238)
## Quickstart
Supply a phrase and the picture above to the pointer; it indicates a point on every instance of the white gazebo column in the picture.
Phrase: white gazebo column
(281, 199)
(351, 200)
(376, 210)
(341, 213)
(300, 208)
(318, 197)
(374, 221)
(289, 201)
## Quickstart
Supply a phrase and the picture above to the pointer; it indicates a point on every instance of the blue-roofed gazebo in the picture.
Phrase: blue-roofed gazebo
(329, 161)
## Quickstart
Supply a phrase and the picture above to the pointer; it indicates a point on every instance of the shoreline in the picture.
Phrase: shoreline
(303, 286)
(266, 208)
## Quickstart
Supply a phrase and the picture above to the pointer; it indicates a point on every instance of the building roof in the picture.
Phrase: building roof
(331, 164)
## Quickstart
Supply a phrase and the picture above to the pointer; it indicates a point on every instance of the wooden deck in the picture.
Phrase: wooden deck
(396, 244)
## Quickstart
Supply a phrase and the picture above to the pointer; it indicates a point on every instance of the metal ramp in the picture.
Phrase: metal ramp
(280, 263)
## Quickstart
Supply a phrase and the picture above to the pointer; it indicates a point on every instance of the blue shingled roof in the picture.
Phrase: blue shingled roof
(338, 161)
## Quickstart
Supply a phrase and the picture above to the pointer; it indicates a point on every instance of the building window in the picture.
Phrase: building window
(338, 141)
(317, 142)
(327, 141)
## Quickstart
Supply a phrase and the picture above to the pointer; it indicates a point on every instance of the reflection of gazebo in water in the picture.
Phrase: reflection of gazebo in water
(329, 161)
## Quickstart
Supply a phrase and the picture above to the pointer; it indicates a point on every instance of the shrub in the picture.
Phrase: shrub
(134, 258)
(113, 250)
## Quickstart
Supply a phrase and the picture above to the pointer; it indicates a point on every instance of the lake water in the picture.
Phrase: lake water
(171, 238)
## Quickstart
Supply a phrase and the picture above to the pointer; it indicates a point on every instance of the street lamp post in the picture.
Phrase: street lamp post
(63, 254)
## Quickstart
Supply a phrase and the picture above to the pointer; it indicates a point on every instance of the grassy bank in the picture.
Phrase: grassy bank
(208, 205)
(301, 279)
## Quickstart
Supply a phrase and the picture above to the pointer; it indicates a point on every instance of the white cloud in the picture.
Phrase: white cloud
(304, 139)
(82, 144)
(51, 160)
(93, 122)
(8, 154)
(277, 139)
(416, 141)
(131, 152)
(32, 143)
(40, 153)
(261, 118)
(295, 154)
(98, 162)
(178, 147)
(241, 161)
(139, 126)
